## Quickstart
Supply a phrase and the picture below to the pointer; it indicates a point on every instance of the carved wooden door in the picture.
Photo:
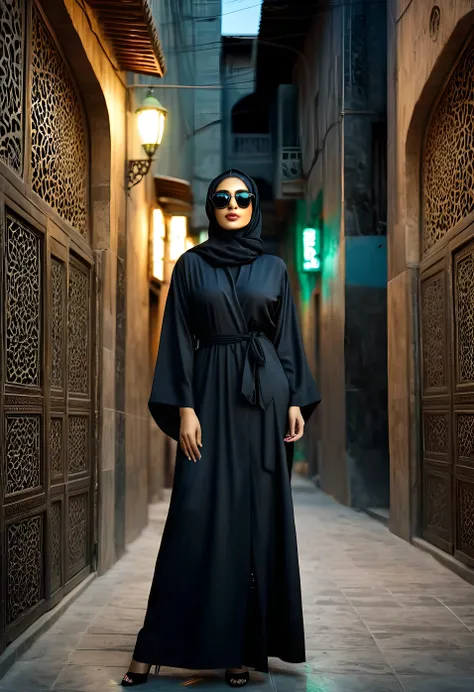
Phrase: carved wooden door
(46, 275)
(447, 317)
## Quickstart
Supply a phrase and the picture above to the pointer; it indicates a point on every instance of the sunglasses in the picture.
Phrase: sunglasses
(221, 198)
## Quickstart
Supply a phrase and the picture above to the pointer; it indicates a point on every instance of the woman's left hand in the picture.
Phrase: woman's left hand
(295, 424)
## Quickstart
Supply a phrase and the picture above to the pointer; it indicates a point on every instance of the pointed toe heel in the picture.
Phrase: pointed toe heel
(132, 679)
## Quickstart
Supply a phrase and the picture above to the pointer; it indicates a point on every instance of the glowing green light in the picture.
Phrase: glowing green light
(311, 250)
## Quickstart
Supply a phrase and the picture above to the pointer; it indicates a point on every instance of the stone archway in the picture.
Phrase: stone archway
(447, 316)
(439, 237)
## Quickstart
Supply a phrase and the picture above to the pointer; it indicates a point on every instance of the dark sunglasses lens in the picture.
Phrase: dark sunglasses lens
(221, 199)
(243, 199)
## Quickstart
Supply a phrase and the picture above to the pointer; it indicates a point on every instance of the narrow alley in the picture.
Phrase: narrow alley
(380, 615)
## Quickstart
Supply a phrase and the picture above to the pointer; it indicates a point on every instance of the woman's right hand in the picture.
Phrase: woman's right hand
(190, 433)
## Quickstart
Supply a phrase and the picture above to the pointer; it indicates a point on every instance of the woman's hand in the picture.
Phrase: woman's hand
(295, 424)
(190, 433)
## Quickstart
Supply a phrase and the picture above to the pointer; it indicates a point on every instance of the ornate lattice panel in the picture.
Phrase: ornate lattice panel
(448, 165)
(12, 46)
(23, 453)
(464, 313)
(55, 536)
(59, 151)
(56, 447)
(77, 538)
(78, 441)
(437, 505)
(466, 517)
(433, 319)
(436, 433)
(58, 276)
(78, 329)
(23, 303)
(465, 437)
(24, 566)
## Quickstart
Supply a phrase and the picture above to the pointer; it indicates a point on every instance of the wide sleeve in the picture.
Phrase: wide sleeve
(173, 379)
(290, 350)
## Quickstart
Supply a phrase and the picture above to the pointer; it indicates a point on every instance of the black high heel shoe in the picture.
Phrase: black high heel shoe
(237, 679)
(137, 678)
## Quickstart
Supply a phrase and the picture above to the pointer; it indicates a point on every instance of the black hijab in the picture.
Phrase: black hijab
(230, 248)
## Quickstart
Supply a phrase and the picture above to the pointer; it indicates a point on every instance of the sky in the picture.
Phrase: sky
(240, 17)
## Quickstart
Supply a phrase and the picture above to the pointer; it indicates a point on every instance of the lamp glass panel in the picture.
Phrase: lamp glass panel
(151, 125)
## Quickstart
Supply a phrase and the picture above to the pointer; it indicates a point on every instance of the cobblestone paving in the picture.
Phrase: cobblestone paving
(381, 616)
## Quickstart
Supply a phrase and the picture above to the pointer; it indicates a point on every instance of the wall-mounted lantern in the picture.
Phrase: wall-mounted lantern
(311, 250)
(151, 116)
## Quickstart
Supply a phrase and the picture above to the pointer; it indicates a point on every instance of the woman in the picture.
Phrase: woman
(231, 385)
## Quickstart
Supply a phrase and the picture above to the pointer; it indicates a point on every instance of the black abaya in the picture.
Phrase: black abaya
(231, 349)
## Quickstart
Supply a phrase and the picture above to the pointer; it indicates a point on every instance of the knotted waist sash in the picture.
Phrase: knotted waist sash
(254, 387)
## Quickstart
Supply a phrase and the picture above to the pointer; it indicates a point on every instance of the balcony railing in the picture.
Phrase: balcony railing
(290, 182)
(252, 145)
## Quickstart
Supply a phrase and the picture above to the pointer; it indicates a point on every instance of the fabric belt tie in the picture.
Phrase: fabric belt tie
(252, 385)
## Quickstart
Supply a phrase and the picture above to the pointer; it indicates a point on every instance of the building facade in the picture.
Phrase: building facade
(431, 277)
(71, 480)
(330, 81)
(173, 194)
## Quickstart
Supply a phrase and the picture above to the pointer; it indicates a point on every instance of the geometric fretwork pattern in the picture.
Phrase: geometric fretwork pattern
(78, 331)
(466, 516)
(464, 313)
(433, 329)
(57, 323)
(78, 439)
(437, 503)
(12, 46)
(23, 453)
(448, 166)
(465, 437)
(59, 158)
(23, 303)
(56, 447)
(55, 545)
(24, 566)
(436, 433)
(77, 539)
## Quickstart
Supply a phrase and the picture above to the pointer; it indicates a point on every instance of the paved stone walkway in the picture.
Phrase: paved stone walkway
(380, 615)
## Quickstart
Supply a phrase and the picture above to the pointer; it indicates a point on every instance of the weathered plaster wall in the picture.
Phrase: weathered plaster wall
(319, 79)
(365, 256)
(207, 126)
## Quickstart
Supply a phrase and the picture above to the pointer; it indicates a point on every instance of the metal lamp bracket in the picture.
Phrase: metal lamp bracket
(137, 170)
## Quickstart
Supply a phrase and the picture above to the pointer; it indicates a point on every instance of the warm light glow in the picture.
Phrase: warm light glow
(151, 126)
(158, 245)
(189, 243)
(178, 231)
(311, 250)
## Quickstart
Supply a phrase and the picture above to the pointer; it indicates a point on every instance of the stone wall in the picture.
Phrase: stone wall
(420, 58)
(109, 218)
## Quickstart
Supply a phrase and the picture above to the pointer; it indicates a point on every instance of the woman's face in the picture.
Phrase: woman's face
(233, 217)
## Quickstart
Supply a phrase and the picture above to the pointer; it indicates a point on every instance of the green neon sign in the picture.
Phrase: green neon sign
(311, 238)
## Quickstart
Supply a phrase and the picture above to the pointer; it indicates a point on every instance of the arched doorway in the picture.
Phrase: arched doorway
(447, 316)
(46, 284)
